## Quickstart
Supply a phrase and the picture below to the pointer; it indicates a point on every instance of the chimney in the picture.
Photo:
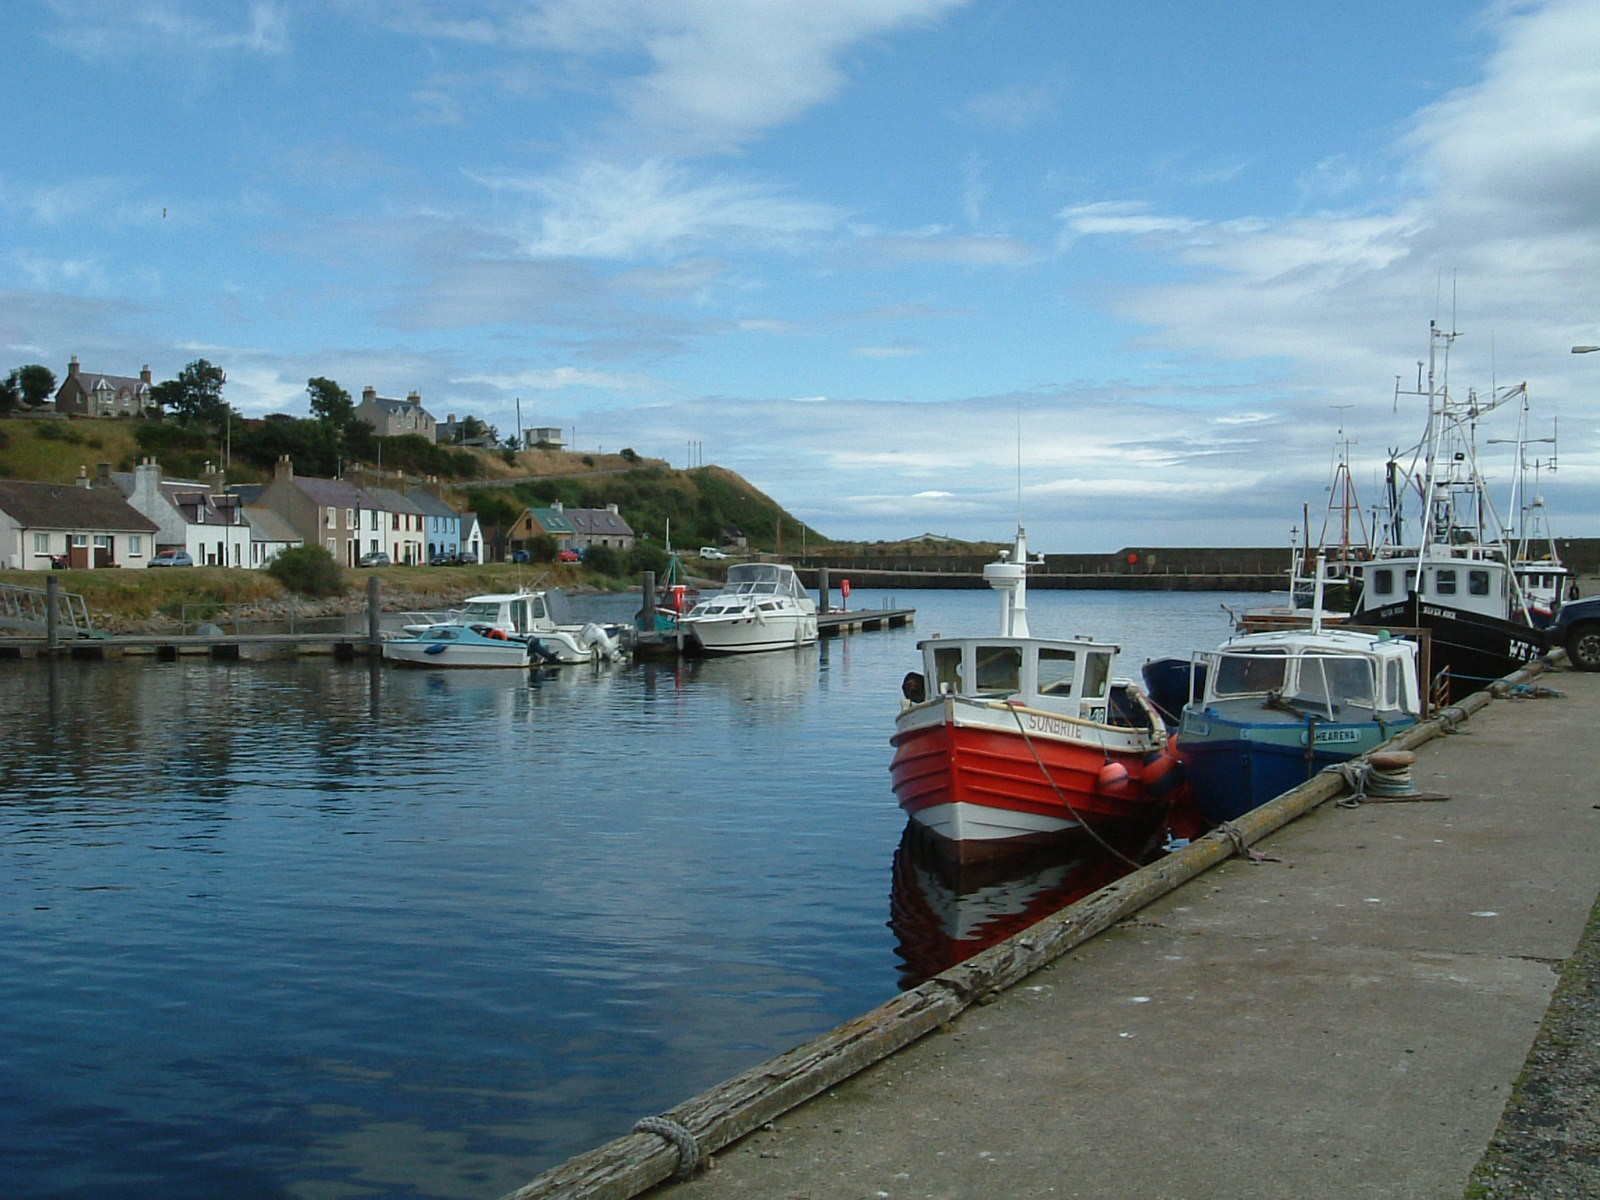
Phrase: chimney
(612, 508)
(72, 367)
(451, 419)
(369, 393)
(144, 373)
(102, 475)
(283, 468)
(557, 506)
(83, 476)
(414, 397)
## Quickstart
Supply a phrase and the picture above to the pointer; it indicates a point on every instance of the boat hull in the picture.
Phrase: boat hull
(442, 655)
(1477, 649)
(1234, 766)
(751, 634)
(991, 778)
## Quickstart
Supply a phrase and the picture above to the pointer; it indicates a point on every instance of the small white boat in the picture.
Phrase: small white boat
(459, 646)
(763, 606)
(531, 616)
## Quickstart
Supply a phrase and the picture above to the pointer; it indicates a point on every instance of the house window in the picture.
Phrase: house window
(333, 546)
(327, 518)
(41, 543)
(135, 545)
(80, 539)
(349, 518)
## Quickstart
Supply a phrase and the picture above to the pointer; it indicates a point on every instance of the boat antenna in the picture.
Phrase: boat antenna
(1019, 461)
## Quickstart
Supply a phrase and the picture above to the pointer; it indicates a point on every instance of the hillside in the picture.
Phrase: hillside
(703, 506)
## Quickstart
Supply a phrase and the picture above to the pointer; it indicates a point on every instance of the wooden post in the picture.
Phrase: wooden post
(374, 637)
(52, 620)
(647, 621)
(824, 590)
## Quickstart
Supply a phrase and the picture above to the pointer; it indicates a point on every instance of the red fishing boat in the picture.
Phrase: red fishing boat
(1012, 740)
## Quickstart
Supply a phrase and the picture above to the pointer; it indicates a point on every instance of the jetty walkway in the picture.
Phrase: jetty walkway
(1344, 1011)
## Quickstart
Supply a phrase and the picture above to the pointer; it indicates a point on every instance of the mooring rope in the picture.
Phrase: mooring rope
(1355, 774)
(1060, 795)
(689, 1154)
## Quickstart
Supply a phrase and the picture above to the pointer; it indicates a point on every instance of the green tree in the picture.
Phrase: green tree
(27, 387)
(195, 396)
(331, 404)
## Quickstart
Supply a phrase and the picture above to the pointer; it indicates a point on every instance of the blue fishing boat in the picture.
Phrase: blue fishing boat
(1272, 709)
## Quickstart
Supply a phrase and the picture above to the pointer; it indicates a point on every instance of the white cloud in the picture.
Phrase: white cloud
(614, 211)
(129, 28)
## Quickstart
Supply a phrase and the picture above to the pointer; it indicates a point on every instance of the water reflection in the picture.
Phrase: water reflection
(943, 912)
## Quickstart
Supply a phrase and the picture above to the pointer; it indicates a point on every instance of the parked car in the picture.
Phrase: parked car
(375, 558)
(1576, 630)
(569, 556)
(466, 558)
(711, 552)
(521, 556)
(172, 558)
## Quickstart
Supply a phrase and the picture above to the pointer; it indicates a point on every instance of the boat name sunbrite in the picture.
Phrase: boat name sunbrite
(1058, 726)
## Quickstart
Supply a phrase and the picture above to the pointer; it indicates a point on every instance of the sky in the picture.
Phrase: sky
(1130, 271)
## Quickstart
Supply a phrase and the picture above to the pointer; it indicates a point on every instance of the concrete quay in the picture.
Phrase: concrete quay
(1344, 1017)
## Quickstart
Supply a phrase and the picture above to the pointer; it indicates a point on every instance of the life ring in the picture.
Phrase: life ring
(677, 597)
(498, 634)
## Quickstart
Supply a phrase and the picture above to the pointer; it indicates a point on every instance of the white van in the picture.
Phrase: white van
(711, 552)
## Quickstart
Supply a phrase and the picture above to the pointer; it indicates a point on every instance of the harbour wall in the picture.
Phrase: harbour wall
(1133, 568)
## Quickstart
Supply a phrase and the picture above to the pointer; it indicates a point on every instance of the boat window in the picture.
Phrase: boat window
(1248, 674)
(1383, 582)
(1057, 670)
(1096, 674)
(947, 669)
(1478, 583)
(1393, 678)
(1444, 583)
(1411, 580)
(999, 670)
(1349, 680)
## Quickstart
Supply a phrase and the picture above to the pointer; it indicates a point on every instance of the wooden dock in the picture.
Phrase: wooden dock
(168, 647)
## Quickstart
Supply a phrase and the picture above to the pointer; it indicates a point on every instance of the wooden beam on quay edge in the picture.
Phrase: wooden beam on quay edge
(629, 1165)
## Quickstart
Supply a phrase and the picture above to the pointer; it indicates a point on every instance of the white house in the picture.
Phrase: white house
(190, 515)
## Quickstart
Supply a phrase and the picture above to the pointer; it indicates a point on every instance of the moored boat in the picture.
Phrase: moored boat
(1455, 578)
(1274, 708)
(532, 616)
(458, 646)
(762, 606)
(1011, 740)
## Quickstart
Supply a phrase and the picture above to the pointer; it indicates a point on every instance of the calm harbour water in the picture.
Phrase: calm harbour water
(321, 931)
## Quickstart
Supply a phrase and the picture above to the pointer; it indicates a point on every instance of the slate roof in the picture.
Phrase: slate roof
(598, 522)
(389, 500)
(332, 493)
(430, 504)
(71, 507)
(268, 526)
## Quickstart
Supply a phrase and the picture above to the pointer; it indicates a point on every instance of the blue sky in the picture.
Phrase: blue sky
(871, 254)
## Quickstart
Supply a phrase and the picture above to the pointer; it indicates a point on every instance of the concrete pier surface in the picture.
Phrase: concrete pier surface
(1346, 1018)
